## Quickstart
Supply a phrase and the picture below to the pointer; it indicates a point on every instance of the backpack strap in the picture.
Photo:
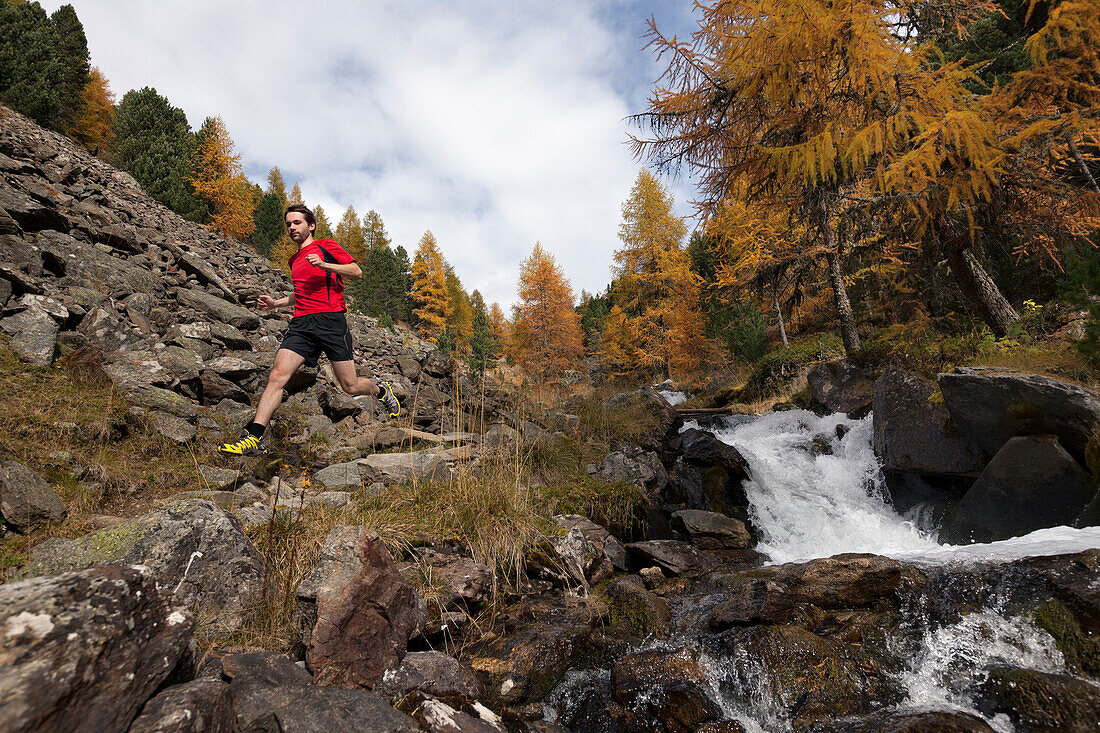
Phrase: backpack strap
(328, 257)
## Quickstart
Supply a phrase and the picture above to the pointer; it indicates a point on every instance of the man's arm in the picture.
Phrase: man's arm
(350, 270)
(267, 302)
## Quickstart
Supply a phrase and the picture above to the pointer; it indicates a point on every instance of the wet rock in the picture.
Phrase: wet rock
(271, 694)
(634, 612)
(1080, 650)
(602, 541)
(199, 706)
(914, 431)
(634, 465)
(849, 580)
(85, 650)
(524, 665)
(1031, 483)
(193, 549)
(666, 685)
(1040, 701)
(27, 502)
(395, 468)
(923, 722)
(710, 530)
(991, 405)
(703, 449)
(432, 673)
(673, 556)
(840, 386)
(753, 601)
(356, 612)
(438, 717)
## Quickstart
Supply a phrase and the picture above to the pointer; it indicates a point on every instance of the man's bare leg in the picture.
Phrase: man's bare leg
(286, 363)
(351, 382)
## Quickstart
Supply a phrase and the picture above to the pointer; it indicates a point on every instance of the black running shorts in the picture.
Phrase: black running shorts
(311, 334)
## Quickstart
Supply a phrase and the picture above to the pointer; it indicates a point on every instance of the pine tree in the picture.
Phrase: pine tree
(93, 130)
(324, 227)
(277, 186)
(217, 177)
(73, 51)
(429, 289)
(349, 233)
(460, 322)
(151, 140)
(33, 74)
(546, 337)
(382, 289)
(483, 344)
(296, 195)
(500, 329)
(374, 231)
(270, 225)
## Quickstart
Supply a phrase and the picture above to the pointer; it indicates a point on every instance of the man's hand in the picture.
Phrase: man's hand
(266, 302)
(316, 260)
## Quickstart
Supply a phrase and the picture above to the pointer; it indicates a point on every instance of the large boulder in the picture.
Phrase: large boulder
(634, 465)
(85, 650)
(34, 333)
(356, 612)
(710, 530)
(218, 309)
(672, 556)
(1042, 701)
(198, 706)
(395, 468)
(599, 539)
(1031, 483)
(840, 386)
(991, 405)
(271, 694)
(27, 502)
(849, 580)
(914, 431)
(194, 549)
(662, 419)
(432, 673)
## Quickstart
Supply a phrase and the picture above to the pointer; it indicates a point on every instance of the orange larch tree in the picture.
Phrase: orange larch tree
(546, 336)
(349, 233)
(429, 289)
(217, 177)
(500, 328)
(93, 129)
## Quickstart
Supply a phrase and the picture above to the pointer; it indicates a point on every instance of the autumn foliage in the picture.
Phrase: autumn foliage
(546, 339)
(93, 129)
(429, 289)
(217, 177)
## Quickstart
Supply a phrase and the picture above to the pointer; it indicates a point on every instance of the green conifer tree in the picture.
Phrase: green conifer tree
(269, 224)
(73, 50)
(324, 226)
(32, 71)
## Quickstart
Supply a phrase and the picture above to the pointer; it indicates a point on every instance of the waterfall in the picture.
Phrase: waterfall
(817, 490)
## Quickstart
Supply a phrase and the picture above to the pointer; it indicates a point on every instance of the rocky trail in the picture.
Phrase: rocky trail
(909, 556)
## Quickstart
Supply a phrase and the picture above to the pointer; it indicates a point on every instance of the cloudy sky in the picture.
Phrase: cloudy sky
(494, 124)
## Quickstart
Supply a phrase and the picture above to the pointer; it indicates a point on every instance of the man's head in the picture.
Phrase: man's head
(300, 222)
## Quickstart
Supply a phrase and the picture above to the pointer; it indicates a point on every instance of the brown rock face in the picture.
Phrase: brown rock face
(356, 612)
(85, 650)
(845, 581)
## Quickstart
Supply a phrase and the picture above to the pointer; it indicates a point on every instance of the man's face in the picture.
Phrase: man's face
(297, 227)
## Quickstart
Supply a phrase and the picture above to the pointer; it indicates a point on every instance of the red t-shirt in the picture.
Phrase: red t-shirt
(313, 291)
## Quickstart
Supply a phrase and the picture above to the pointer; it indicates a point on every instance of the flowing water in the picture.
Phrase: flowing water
(817, 490)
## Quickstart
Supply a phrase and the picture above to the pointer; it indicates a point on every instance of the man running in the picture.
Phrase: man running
(319, 325)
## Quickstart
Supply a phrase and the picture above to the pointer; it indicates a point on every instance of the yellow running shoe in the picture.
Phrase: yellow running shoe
(388, 399)
(248, 445)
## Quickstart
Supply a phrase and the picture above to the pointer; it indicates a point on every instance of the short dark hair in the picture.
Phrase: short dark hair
(304, 211)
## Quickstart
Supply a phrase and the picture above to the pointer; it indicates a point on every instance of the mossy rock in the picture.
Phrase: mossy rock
(1037, 701)
(634, 612)
(1082, 654)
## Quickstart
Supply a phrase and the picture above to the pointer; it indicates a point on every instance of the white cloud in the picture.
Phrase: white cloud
(494, 124)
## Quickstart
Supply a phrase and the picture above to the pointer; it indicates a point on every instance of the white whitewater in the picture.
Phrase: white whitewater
(809, 504)
(674, 398)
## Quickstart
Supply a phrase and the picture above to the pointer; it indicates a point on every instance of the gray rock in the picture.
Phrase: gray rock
(1030, 484)
(34, 335)
(438, 364)
(340, 475)
(408, 366)
(199, 706)
(432, 673)
(338, 405)
(194, 550)
(915, 433)
(174, 428)
(710, 530)
(634, 465)
(672, 556)
(356, 612)
(331, 499)
(395, 468)
(458, 579)
(219, 479)
(228, 500)
(271, 694)
(635, 612)
(157, 398)
(991, 405)
(216, 388)
(27, 502)
(85, 650)
(599, 538)
(230, 336)
(218, 309)
(232, 368)
(840, 386)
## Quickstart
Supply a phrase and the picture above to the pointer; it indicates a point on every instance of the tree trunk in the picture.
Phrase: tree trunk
(1081, 164)
(779, 315)
(994, 308)
(848, 331)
